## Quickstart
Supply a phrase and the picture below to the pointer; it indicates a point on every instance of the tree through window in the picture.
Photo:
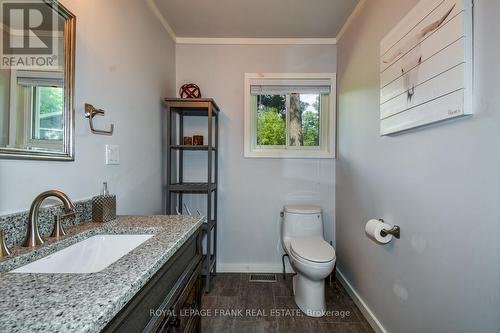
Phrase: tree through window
(288, 120)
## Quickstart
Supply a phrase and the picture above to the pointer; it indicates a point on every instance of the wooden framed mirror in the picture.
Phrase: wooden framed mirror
(37, 80)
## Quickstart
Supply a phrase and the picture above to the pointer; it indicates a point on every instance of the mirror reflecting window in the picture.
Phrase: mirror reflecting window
(36, 80)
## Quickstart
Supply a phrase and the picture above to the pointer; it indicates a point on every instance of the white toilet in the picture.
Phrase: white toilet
(311, 257)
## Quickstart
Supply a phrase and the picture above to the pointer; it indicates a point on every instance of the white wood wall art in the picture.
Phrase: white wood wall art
(426, 66)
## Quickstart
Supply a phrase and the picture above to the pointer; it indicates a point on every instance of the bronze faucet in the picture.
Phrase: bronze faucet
(33, 238)
(4, 250)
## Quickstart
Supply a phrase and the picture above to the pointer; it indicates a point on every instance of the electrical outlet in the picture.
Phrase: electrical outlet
(112, 154)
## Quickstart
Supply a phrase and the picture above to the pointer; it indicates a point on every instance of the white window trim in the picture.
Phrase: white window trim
(28, 134)
(28, 104)
(328, 148)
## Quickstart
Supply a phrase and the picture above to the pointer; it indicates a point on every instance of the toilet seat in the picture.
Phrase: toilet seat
(314, 250)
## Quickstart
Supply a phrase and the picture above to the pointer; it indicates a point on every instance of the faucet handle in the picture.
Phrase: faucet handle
(58, 231)
(68, 214)
(4, 250)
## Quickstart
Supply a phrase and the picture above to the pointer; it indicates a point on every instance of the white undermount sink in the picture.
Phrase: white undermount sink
(88, 256)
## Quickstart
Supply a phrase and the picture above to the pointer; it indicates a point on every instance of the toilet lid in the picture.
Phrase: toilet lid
(312, 249)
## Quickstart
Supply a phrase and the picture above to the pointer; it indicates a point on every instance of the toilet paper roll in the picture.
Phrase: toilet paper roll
(373, 229)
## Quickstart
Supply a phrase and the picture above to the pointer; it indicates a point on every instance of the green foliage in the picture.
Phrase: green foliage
(276, 102)
(271, 121)
(310, 128)
(51, 99)
(271, 128)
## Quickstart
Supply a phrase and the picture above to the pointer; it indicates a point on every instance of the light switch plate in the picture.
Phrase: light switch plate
(112, 154)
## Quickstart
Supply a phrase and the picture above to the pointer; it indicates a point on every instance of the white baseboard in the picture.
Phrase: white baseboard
(367, 312)
(253, 268)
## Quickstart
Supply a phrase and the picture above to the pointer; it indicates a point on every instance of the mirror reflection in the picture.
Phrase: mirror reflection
(35, 119)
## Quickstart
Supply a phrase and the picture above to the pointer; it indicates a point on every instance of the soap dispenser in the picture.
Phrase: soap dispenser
(104, 206)
(105, 190)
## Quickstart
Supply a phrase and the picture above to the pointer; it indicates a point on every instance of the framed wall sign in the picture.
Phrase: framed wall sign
(426, 66)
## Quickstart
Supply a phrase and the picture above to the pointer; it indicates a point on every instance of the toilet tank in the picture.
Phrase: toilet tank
(300, 221)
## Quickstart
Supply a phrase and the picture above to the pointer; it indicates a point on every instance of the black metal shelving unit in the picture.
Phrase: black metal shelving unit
(176, 110)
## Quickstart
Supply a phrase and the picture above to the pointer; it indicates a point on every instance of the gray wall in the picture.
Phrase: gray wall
(125, 64)
(252, 192)
(440, 184)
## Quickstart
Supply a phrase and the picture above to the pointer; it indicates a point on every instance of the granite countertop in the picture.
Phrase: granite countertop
(87, 302)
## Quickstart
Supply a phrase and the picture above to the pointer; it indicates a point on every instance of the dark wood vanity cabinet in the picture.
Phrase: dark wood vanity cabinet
(170, 301)
(184, 314)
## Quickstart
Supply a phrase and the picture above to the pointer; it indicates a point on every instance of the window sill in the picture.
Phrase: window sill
(292, 154)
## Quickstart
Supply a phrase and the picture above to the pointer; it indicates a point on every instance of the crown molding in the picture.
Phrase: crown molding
(154, 8)
(255, 41)
(350, 19)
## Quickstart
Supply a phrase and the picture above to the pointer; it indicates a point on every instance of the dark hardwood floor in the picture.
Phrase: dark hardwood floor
(237, 305)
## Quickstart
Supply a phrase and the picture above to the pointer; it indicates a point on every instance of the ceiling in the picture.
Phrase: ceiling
(256, 18)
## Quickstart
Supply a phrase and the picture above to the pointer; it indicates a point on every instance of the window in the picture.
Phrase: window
(37, 105)
(47, 113)
(289, 115)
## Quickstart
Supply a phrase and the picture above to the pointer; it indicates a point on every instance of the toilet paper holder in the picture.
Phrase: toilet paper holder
(395, 231)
